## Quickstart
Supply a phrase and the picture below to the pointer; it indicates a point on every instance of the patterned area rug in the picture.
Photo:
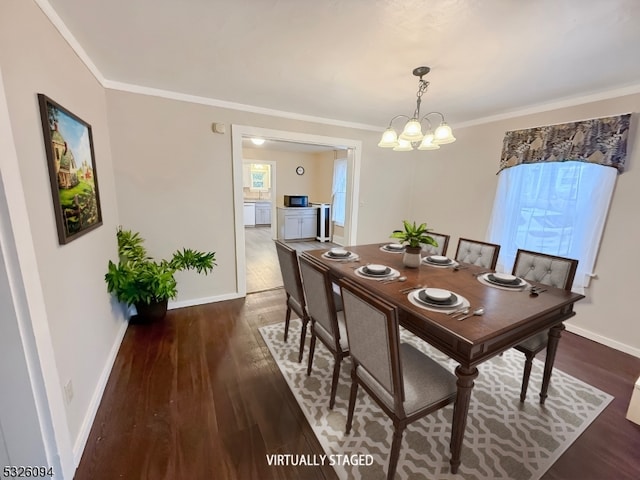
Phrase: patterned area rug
(504, 439)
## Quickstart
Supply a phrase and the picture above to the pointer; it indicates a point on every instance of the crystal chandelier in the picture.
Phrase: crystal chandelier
(412, 136)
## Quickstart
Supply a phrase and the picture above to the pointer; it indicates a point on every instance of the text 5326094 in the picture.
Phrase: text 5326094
(11, 471)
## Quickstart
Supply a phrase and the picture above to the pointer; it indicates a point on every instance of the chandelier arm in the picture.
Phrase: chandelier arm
(396, 117)
(433, 113)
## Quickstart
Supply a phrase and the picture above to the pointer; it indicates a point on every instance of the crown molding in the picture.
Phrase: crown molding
(142, 90)
(554, 105)
(57, 22)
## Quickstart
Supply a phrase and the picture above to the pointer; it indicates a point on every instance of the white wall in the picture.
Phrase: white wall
(21, 442)
(317, 178)
(84, 326)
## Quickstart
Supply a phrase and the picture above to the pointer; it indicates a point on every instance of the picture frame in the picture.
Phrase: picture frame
(68, 142)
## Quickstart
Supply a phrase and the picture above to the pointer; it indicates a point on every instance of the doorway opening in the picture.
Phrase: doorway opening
(286, 152)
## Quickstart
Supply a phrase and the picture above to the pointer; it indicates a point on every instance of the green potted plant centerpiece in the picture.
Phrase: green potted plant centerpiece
(413, 236)
(137, 279)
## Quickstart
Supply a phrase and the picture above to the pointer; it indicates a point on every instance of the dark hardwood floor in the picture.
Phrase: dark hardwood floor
(198, 397)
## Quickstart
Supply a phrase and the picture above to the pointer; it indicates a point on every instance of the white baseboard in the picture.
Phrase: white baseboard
(85, 429)
(603, 340)
(201, 301)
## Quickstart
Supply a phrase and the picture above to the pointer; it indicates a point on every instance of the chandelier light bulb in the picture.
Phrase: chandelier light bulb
(412, 131)
(443, 134)
(403, 146)
(389, 139)
(427, 142)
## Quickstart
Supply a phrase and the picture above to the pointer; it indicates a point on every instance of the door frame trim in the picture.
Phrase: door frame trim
(353, 183)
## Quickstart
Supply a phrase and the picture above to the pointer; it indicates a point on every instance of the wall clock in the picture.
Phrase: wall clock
(300, 170)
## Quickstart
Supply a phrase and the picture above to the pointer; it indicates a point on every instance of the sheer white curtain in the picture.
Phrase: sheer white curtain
(558, 208)
(339, 191)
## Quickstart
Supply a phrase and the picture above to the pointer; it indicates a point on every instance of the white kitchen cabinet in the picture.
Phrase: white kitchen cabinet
(297, 223)
(263, 213)
(249, 214)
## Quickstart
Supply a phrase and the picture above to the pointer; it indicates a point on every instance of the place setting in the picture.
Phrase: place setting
(439, 261)
(438, 300)
(393, 248)
(504, 281)
(340, 254)
(377, 272)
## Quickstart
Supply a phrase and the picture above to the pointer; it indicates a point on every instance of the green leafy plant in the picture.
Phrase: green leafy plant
(414, 235)
(138, 279)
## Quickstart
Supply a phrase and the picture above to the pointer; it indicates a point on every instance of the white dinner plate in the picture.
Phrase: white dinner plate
(491, 278)
(437, 294)
(378, 271)
(420, 297)
(438, 260)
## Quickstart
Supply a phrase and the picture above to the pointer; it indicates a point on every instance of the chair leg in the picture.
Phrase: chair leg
(303, 336)
(352, 403)
(334, 381)
(312, 349)
(287, 318)
(525, 376)
(395, 450)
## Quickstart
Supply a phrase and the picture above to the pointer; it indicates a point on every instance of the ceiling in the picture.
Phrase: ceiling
(350, 61)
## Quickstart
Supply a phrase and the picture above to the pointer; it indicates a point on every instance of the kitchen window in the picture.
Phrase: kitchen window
(260, 177)
(339, 191)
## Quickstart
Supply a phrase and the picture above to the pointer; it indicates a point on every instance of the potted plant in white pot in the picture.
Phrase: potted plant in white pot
(413, 236)
(137, 279)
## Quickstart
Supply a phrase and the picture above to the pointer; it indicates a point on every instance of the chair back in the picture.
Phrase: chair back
(551, 270)
(372, 329)
(478, 253)
(319, 293)
(290, 269)
(443, 242)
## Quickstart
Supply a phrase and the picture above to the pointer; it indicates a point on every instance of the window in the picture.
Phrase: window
(260, 177)
(558, 208)
(339, 191)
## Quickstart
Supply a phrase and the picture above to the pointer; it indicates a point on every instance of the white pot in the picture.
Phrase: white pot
(412, 257)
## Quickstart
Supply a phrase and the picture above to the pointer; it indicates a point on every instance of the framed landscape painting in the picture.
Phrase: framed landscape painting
(72, 170)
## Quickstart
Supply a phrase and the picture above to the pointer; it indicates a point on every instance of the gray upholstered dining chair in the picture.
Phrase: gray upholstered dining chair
(404, 382)
(327, 323)
(443, 242)
(289, 267)
(479, 253)
(551, 270)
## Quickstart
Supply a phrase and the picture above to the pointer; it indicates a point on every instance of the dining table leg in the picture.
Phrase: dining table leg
(552, 346)
(466, 376)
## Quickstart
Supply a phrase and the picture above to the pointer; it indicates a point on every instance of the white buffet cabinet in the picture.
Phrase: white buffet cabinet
(296, 223)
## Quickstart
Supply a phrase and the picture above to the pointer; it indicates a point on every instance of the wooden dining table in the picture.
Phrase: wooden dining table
(510, 316)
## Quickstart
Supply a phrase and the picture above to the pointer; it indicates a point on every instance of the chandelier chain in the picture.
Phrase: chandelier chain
(422, 87)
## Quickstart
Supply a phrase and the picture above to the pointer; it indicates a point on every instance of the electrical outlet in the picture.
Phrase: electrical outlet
(68, 392)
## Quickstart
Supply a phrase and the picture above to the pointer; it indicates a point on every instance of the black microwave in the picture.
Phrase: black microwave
(296, 201)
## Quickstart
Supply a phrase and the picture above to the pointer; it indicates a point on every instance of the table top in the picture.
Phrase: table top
(510, 315)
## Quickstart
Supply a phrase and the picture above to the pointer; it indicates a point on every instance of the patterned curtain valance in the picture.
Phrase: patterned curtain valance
(600, 140)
